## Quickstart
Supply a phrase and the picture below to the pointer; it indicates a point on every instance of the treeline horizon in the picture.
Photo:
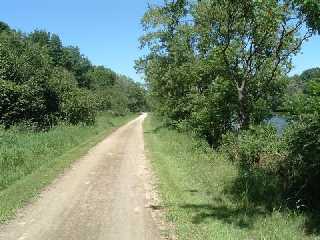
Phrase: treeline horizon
(43, 82)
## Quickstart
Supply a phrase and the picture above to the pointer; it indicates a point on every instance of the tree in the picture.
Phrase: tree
(310, 74)
(42, 82)
(4, 27)
(40, 37)
(101, 77)
(78, 64)
(253, 42)
(220, 64)
(24, 71)
(55, 49)
(304, 102)
(167, 67)
(136, 97)
(311, 10)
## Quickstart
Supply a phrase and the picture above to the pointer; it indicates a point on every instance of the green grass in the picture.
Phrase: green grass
(29, 161)
(195, 186)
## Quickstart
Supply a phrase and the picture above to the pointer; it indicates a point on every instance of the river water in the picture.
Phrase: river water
(279, 122)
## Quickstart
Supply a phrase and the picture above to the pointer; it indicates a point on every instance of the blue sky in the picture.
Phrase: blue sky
(106, 31)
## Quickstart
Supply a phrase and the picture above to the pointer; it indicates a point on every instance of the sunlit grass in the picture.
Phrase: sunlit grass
(195, 185)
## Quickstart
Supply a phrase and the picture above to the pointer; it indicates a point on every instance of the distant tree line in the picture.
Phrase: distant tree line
(219, 69)
(303, 96)
(43, 82)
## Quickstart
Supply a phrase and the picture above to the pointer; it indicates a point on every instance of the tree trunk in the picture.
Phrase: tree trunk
(244, 118)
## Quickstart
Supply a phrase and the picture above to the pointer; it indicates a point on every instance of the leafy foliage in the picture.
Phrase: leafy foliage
(206, 198)
(304, 100)
(42, 82)
(311, 9)
(220, 64)
(219, 69)
(285, 167)
(21, 103)
(302, 166)
(257, 147)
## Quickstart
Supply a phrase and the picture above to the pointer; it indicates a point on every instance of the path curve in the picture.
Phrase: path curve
(103, 196)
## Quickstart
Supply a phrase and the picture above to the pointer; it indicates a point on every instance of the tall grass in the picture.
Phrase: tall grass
(197, 191)
(30, 160)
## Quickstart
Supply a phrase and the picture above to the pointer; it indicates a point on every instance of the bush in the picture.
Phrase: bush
(274, 168)
(67, 101)
(42, 106)
(260, 146)
(43, 82)
(212, 114)
(302, 166)
(258, 153)
(118, 101)
(60, 84)
(103, 98)
(78, 106)
(24, 72)
(21, 103)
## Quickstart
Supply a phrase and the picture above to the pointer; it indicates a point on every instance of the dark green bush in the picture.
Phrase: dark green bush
(118, 101)
(21, 103)
(103, 98)
(286, 168)
(24, 72)
(302, 166)
(43, 82)
(259, 153)
(67, 101)
(59, 85)
(78, 106)
(212, 112)
(257, 147)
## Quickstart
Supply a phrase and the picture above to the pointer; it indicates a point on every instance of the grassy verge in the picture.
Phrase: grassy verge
(29, 161)
(196, 189)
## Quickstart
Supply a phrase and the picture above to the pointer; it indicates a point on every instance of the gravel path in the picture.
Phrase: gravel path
(105, 195)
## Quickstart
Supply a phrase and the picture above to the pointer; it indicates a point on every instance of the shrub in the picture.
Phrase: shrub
(21, 103)
(24, 72)
(78, 106)
(302, 166)
(118, 101)
(212, 112)
(258, 153)
(42, 82)
(260, 146)
(273, 168)
(60, 84)
(104, 99)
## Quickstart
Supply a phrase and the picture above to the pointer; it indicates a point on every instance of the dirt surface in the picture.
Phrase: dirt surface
(105, 195)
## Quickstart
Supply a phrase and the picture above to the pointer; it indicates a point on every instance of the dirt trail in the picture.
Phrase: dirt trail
(105, 195)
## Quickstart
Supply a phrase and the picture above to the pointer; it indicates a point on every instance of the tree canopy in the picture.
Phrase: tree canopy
(43, 82)
(218, 65)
